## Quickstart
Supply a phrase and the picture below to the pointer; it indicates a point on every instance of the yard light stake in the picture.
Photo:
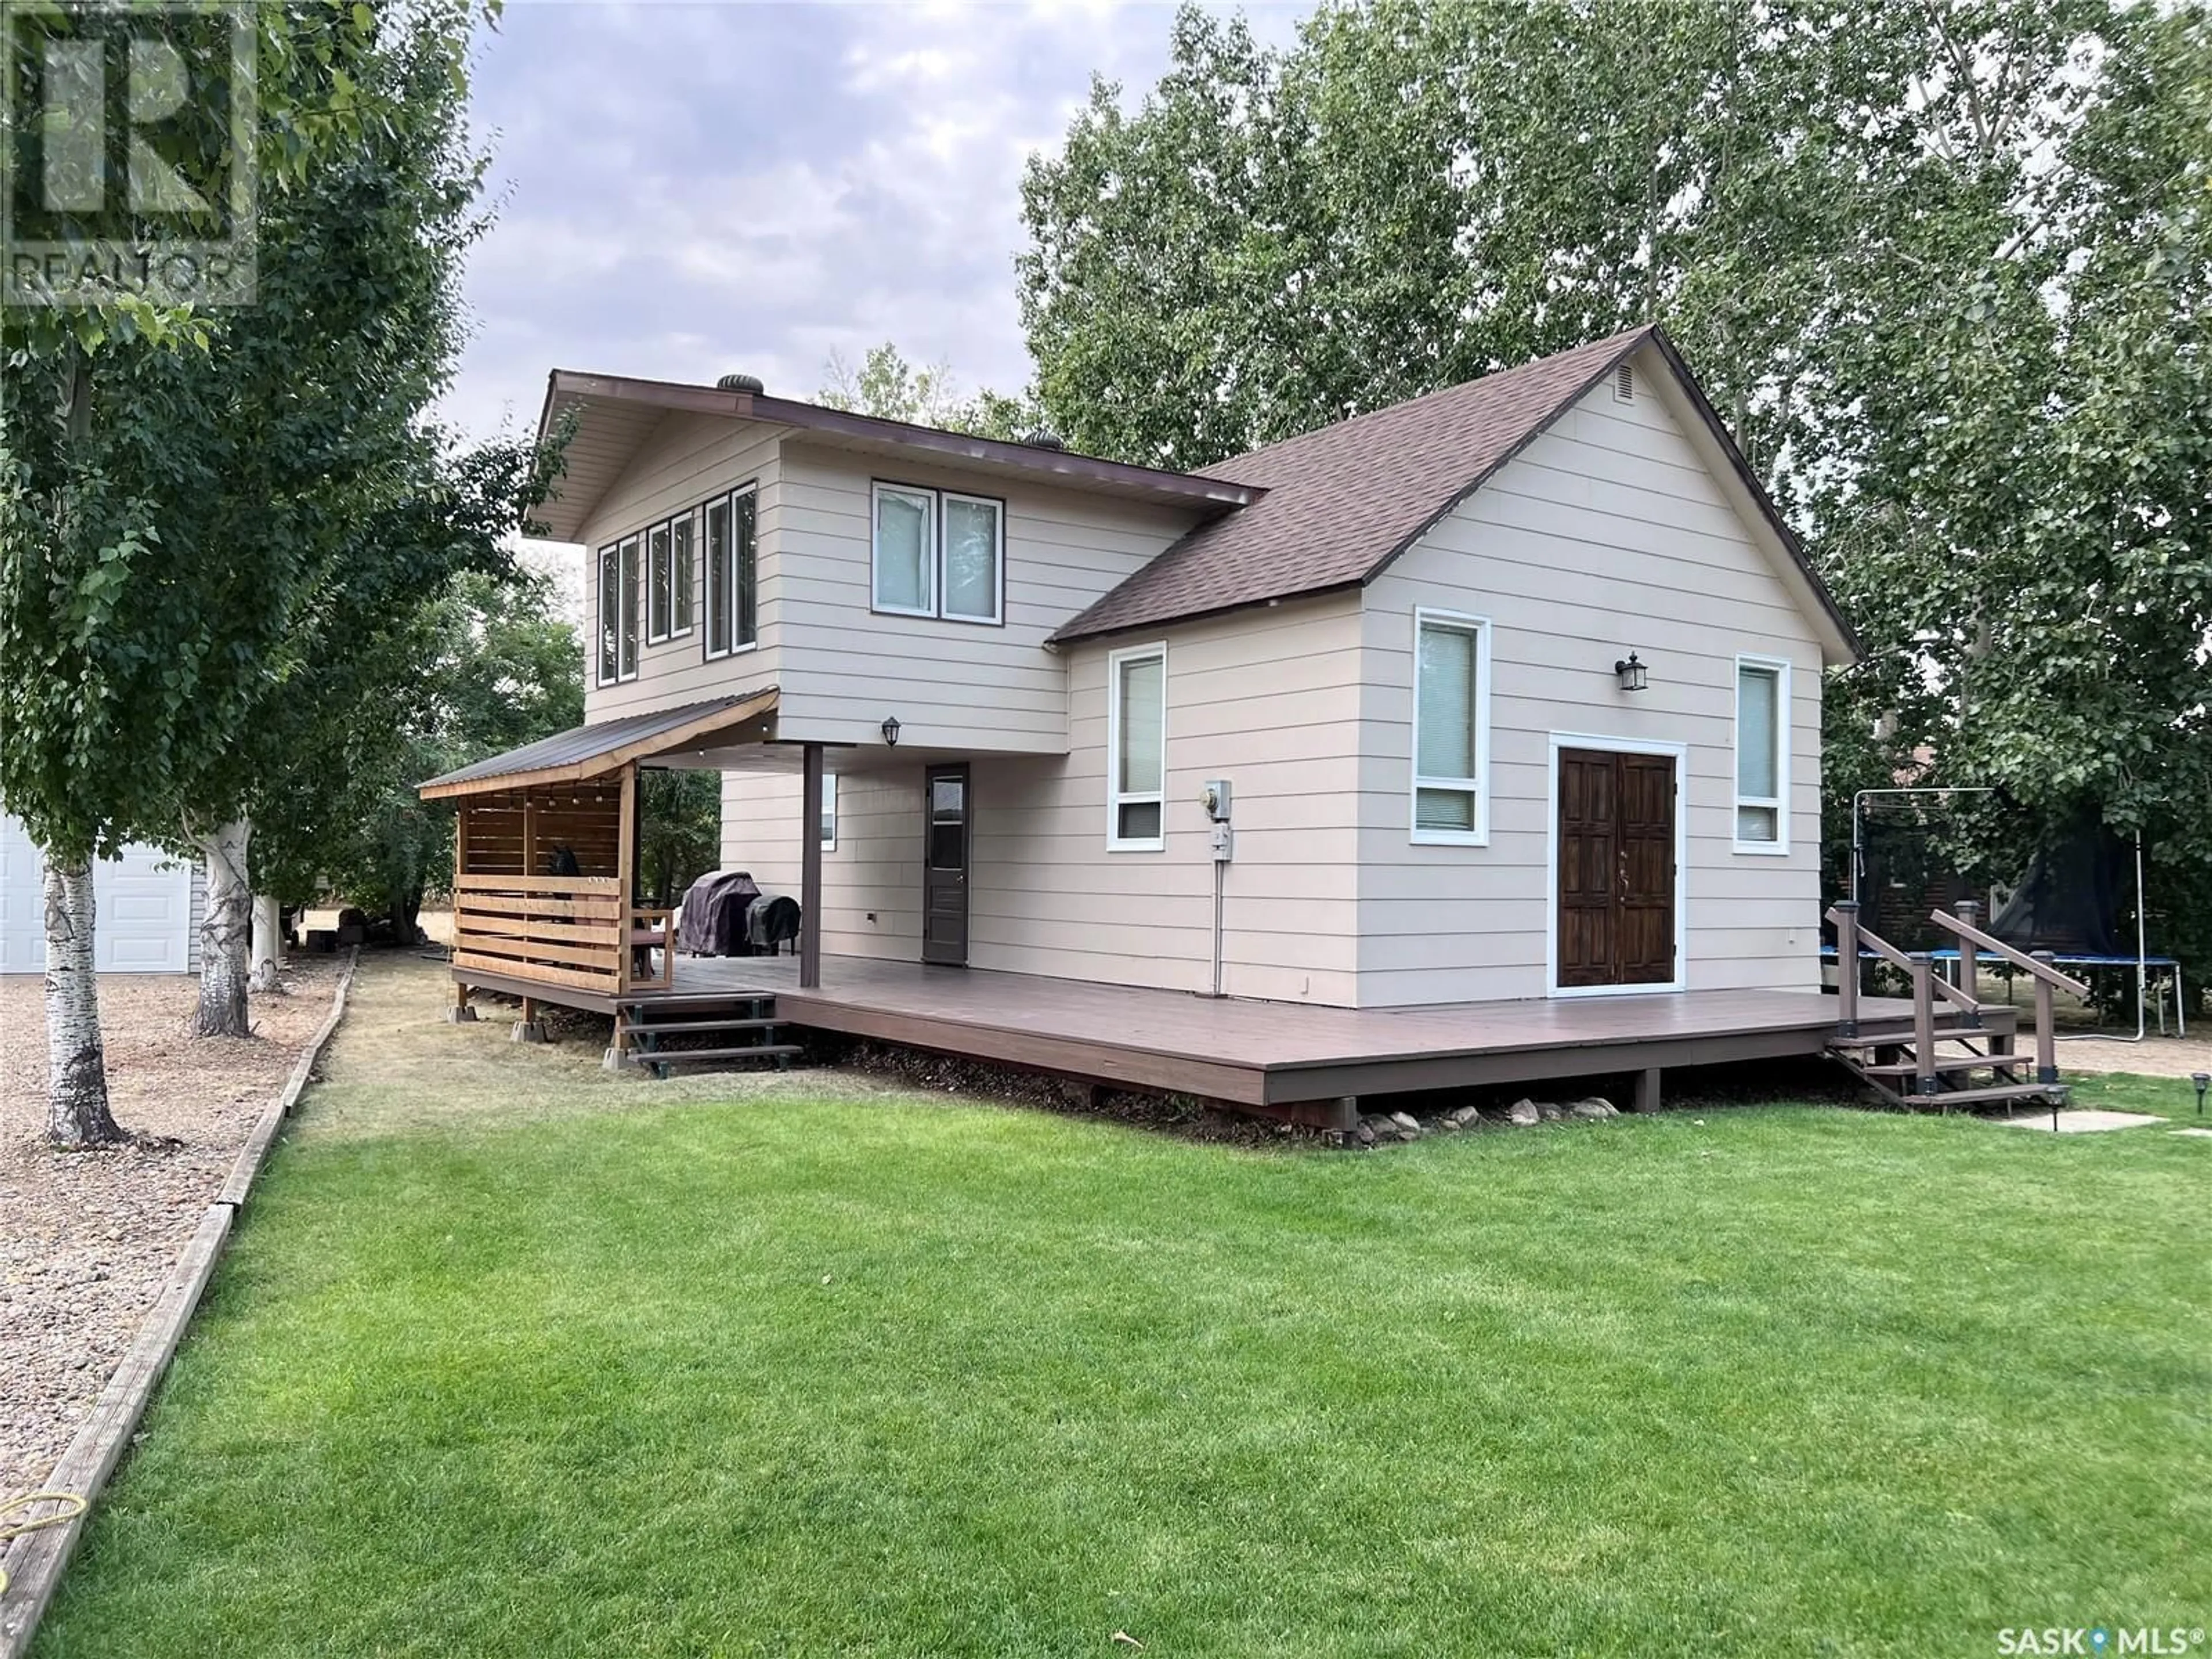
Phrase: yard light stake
(2203, 1081)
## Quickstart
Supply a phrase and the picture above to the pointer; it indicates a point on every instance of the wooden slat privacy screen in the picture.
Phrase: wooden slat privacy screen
(519, 911)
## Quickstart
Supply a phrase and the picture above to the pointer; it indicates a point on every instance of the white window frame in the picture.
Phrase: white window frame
(695, 516)
(930, 554)
(1779, 847)
(998, 617)
(829, 811)
(1478, 785)
(624, 673)
(1115, 799)
(933, 571)
(599, 676)
(702, 598)
(656, 594)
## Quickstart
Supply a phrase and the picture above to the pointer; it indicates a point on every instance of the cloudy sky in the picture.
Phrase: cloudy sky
(689, 188)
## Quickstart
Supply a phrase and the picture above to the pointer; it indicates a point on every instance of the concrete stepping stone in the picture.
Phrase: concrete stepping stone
(2080, 1120)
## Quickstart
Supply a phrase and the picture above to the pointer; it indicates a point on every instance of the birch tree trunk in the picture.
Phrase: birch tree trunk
(268, 947)
(225, 933)
(77, 1115)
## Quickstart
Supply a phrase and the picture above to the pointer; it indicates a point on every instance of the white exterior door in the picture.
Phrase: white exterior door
(144, 900)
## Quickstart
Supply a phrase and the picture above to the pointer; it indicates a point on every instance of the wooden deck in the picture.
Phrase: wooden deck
(1267, 1055)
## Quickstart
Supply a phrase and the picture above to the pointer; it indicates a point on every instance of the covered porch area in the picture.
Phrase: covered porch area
(546, 855)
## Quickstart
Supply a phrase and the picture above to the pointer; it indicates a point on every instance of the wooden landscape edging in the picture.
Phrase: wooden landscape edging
(35, 1561)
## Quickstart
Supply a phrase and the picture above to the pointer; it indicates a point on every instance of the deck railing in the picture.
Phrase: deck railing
(2036, 965)
(569, 931)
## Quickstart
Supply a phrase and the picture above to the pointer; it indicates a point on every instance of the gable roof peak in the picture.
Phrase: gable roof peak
(1344, 499)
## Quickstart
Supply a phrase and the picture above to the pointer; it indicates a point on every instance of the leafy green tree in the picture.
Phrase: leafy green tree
(489, 664)
(681, 836)
(139, 647)
(1943, 270)
(886, 385)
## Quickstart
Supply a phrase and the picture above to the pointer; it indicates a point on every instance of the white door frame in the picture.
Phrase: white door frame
(1680, 753)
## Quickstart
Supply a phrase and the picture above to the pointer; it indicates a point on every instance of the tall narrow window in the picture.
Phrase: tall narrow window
(1451, 718)
(609, 614)
(718, 578)
(828, 811)
(1762, 756)
(660, 586)
(744, 584)
(974, 555)
(1136, 749)
(682, 553)
(628, 597)
(730, 561)
(906, 550)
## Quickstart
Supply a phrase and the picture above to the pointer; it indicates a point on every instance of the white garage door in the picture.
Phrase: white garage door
(144, 901)
(22, 917)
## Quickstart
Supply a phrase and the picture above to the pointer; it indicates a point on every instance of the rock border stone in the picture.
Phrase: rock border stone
(35, 1561)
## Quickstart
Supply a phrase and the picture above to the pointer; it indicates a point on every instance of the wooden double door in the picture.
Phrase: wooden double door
(1616, 868)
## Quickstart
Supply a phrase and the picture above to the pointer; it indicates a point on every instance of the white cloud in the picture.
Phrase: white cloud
(688, 190)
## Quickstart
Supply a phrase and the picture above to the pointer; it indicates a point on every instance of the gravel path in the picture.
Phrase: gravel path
(87, 1239)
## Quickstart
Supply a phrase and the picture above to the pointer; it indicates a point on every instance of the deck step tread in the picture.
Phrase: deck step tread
(756, 1051)
(1895, 1039)
(663, 1027)
(1951, 1063)
(2001, 1092)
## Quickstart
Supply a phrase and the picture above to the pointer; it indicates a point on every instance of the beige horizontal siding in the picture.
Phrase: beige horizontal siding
(955, 687)
(1606, 535)
(688, 458)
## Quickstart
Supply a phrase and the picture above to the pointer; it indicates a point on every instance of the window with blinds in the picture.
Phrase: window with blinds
(1136, 748)
(1451, 735)
(1762, 756)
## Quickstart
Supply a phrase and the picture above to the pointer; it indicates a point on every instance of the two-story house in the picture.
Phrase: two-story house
(1509, 692)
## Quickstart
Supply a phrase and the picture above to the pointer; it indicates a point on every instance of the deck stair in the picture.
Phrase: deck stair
(729, 1033)
(1948, 1054)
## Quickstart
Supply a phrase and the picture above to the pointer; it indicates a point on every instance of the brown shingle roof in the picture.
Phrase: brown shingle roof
(1343, 502)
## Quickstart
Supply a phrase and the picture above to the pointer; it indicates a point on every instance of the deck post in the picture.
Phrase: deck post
(530, 1028)
(625, 874)
(2046, 1036)
(1646, 1098)
(1970, 974)
(1923, 1023)
(809, 870)
(1847, 968)
(460, 1013)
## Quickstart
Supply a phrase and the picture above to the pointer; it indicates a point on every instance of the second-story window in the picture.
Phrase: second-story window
(659, 583)
(618, 609)
(731, 559)
(938, 553)
(673, 550)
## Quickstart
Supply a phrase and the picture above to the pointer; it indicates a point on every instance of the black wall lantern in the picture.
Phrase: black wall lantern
(892, 731)
(1634, 676)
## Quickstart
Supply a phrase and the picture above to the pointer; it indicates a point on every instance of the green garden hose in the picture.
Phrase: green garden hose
(10, 1531)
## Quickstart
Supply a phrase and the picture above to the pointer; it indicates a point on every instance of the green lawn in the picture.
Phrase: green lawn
(892, 1376)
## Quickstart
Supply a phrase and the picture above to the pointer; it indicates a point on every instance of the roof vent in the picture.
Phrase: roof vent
(741, 383)
(1624, 384)
(1044, 438)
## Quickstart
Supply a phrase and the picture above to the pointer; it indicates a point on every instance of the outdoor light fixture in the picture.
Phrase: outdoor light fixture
(1634, 676)
(890, 730)
(2203, 1081)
